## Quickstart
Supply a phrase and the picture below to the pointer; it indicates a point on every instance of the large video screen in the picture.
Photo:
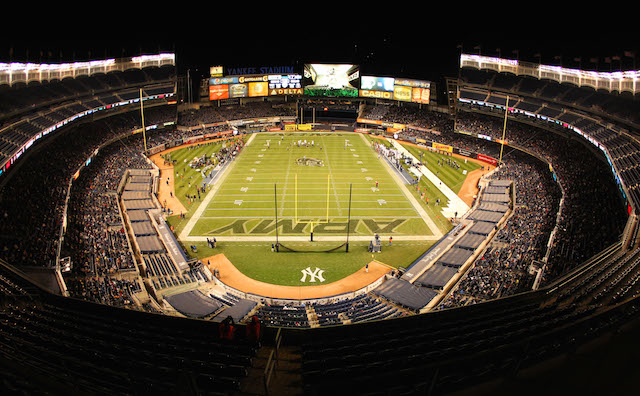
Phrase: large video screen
(331, 80)
(377, 83)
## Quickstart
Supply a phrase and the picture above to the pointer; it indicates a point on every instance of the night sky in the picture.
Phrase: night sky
(389, 42)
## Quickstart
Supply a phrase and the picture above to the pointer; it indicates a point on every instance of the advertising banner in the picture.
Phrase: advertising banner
(442, 147)
(258, 89)
(365, 93)
(223, 80)
(402, 93)
(371, 83)
(487, 159)
(421, 95)
(217, 92)
(238, 91)
(285, 84)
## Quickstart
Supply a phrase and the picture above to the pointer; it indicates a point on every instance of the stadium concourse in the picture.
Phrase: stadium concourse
(535, 288)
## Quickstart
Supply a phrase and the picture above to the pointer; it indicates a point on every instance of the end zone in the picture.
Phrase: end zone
(232, 277)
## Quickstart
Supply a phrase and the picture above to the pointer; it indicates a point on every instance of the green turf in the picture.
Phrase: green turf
(244, 205)
(452, 177)
(267, 169)
(256, 260)
(188, 179)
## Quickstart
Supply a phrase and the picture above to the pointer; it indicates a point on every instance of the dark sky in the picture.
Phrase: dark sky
(399, 42)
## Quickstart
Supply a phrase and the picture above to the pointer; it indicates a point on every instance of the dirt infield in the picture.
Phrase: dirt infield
(469, 188)
(165, 191)
(232, 277)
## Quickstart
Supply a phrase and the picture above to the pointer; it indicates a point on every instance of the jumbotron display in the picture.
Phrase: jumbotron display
(326, 80)
(331, 80)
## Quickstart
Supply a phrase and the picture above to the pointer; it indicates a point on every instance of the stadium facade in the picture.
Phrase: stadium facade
(559, 271)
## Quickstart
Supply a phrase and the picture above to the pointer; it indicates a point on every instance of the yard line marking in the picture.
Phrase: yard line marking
(305, 238)
(416, 205)
(286, 183)
(207, 198)
(333, 183)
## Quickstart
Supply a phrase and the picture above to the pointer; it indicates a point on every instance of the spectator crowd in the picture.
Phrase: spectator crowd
(591, 218)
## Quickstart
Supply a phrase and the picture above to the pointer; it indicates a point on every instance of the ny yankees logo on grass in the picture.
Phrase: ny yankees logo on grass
(316, 273)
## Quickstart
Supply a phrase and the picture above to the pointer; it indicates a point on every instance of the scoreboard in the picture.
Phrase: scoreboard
(326, 80)
(405, 90)
(254, 86)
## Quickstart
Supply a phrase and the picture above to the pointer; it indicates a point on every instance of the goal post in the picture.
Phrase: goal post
(312, 223)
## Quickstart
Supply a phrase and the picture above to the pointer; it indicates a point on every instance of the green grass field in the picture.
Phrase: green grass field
(270, 169)
(452, 177)
(255, 259)
(187, 179)
(274, 167)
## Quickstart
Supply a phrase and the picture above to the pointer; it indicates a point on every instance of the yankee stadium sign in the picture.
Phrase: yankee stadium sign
(240, 71)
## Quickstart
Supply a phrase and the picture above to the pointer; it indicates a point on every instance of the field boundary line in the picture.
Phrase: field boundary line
(416, 205)
(207, 199)
(305, 238)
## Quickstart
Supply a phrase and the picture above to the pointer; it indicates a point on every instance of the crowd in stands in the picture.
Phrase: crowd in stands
(589, 221)
(283, 315)
(33, 198)
(351, 310)
(593, 216)
(104, 290)
(503, 268)
(211, 115)
(98, 247)
(410, 115)
(95, 238)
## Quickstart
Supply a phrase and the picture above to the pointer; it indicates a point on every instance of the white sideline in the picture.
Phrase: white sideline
(205, 202)
(414, 202)
(455, 203)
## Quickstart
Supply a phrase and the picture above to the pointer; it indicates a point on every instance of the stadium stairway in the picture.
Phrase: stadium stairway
(313, 317)
(283, 373)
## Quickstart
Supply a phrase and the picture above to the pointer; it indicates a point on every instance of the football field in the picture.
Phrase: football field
(309, 181)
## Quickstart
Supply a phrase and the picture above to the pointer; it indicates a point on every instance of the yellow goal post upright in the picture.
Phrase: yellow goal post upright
(312, 223)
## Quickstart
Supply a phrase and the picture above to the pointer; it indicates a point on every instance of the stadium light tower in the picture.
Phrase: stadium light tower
(504, 129)
(144, 132)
